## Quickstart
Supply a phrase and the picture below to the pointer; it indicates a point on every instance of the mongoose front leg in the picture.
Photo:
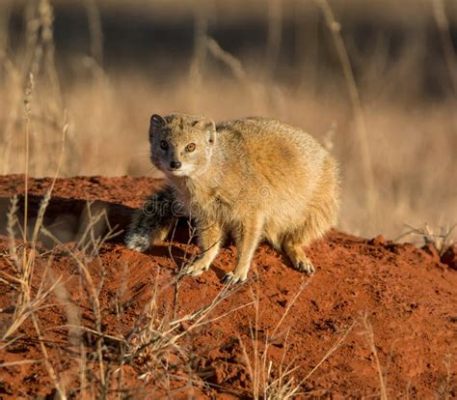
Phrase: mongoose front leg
(247, 237)
(152, 222)
(210, 237)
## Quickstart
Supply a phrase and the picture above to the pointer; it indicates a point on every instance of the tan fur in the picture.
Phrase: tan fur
(254, 178)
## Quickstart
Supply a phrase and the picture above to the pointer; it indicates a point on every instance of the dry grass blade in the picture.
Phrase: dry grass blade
(370, 339)
(15, 90)
(255, 90)
(199, 317)
(12, 221)
(228, 59)
(94, 299)
(329, 352)
(27, 113)
(290, 304)
(275, 26)
(442, 23)
(95, 229)
(268, 382)
(27, 305)
(95, 30)
(47, 361)
(21, 362)
(441, 240)
(29, 302)
(156, 339)
(112, 338)
(361, 128)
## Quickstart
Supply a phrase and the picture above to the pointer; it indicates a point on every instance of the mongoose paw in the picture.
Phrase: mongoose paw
(306, 266)
(231, 278)
(137, 242)
(195, 269)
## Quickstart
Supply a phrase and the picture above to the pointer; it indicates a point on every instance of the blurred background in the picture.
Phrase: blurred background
(375, 81)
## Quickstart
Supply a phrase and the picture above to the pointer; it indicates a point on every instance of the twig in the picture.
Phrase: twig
(361, 129)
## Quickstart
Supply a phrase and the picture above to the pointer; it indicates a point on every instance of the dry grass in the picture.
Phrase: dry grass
(267, 380)
(157, 345)
(441, 238)
(370, 338)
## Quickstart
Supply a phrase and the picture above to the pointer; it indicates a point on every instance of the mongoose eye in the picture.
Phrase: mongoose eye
(190, 147)
(163, 144)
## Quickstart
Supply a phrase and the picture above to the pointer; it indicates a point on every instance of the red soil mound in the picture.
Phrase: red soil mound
(377, 318)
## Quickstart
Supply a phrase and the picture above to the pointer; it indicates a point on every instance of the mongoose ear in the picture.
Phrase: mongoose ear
(157, 122)
(209, 127)
(212, 133)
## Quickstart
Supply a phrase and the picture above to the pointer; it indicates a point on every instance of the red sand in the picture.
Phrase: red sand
(407, 298)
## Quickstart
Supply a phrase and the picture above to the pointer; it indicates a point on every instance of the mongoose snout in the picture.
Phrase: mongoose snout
(175, 164)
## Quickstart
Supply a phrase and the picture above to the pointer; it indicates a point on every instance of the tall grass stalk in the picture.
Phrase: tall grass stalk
(442, 23)
(361, 129)
(274, 37)
(369, 334)
(95, 31)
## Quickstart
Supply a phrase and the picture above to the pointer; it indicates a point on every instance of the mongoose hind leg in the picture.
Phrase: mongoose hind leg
(294, 250)
(210, 237)
(321, 217)
(300, 237)
(247, 237)
(152, 223)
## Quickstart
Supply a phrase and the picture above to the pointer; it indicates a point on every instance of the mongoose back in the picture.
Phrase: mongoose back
(254, 178)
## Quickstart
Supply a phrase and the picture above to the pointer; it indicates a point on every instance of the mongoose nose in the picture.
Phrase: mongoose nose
(175, 164)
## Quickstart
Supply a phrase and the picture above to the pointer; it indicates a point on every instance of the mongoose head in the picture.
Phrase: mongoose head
(181, 145)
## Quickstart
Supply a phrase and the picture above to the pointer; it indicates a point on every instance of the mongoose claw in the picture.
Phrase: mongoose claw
(306, 266)
(137, 242)
(192, 272)
(194, 269)
(231, 279)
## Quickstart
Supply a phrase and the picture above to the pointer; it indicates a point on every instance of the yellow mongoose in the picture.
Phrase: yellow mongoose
(255, 178)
